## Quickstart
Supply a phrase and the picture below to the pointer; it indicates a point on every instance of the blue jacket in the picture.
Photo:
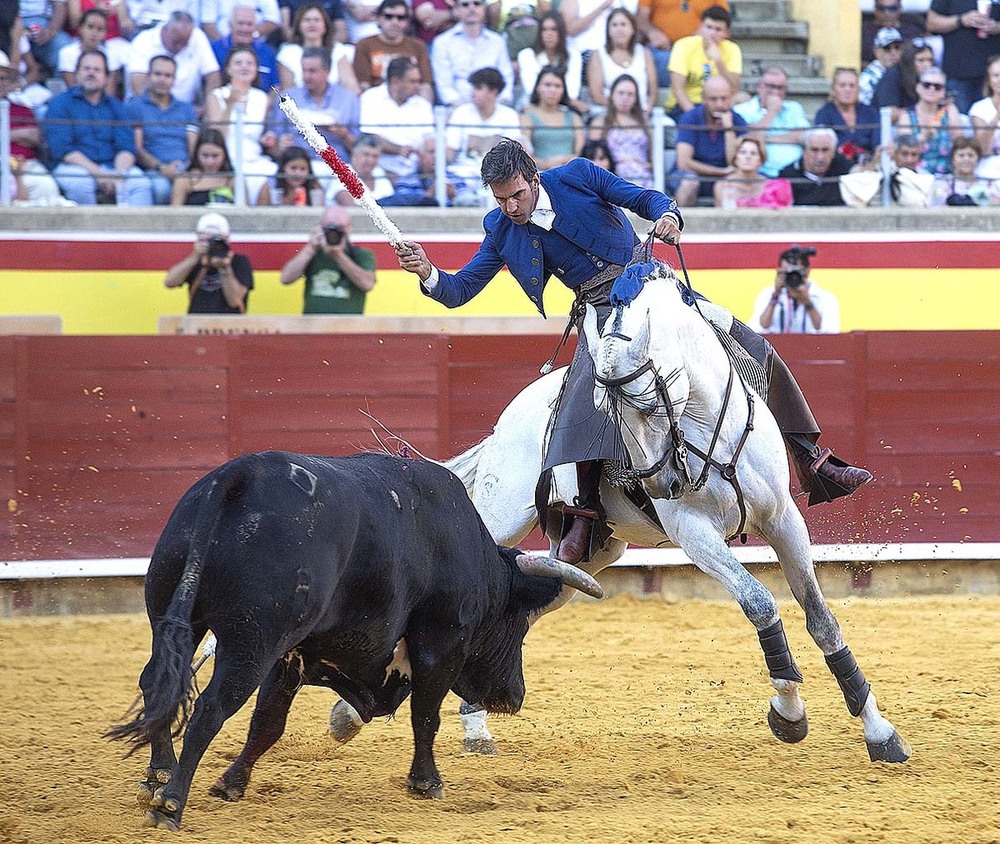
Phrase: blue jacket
(586, 201)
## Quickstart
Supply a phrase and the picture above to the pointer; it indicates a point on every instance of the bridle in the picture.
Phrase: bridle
(677, 452)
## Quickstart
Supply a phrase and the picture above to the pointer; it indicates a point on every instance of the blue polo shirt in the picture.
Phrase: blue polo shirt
(266, 60)
(709, 144)
(99, 131)
(164, 130)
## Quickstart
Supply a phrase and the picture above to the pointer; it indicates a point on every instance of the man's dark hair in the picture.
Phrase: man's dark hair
(718, 13)
(386, 5)
(487, 77)
(796, 254)
(397, 68)
(163, 57)
(91, 13)
(92, 51)
(505, 161)
(320, 53)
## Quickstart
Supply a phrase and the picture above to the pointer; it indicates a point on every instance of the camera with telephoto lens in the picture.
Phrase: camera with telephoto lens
(797, 256)
(218, 247)
(333, 234)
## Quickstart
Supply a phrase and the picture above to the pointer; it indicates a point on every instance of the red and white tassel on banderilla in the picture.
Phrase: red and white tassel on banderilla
(348, 178)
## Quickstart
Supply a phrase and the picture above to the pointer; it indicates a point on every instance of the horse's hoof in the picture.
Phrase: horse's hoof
(482, 746)
(343, 726)
(893, 749)
(787, 731)
(229, 793)
(430, 789)
(155, 819)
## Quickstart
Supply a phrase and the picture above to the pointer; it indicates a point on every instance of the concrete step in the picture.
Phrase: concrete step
(794, 64)
(772, 37)
(761, 10)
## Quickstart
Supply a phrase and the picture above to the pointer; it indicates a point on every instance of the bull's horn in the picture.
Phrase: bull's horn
(535, 564)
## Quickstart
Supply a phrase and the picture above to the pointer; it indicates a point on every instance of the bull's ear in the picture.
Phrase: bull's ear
(590, 331)
(535, 564)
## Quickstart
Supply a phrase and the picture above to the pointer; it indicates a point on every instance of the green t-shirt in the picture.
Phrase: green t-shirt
(329, 290)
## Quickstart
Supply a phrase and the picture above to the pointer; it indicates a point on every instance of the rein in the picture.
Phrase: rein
(679, 445)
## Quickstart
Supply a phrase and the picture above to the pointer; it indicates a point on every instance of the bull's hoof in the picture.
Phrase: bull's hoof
(160, 819)
(787, 731)
(893, 749)
(226, 791)
(344, 722)
(431, 789)
(482, 746)
(151, 791)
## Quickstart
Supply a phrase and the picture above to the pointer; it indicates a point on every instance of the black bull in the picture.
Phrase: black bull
(369, 574)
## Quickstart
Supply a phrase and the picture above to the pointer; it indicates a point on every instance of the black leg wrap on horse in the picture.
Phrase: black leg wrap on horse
(777, 655)
(850, 678)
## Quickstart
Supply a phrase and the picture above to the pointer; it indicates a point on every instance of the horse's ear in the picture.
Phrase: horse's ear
(590, 330)
(639, 348)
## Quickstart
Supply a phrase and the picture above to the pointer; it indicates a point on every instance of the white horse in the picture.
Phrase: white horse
(708, 453)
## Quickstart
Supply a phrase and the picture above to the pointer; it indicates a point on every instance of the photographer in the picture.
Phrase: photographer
(219, 280)
(795, 305)
(338, 274)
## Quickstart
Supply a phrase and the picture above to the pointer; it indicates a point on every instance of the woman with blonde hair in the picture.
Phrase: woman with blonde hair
(746, 187)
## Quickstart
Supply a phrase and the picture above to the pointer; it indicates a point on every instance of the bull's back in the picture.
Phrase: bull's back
(319, 537)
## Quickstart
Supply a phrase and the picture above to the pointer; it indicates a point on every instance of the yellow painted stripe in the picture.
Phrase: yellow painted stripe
(104, 302)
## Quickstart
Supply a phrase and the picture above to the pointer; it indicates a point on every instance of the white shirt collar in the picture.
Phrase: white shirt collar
(543, 215)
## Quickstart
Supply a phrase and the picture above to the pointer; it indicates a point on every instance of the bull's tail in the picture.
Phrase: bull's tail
(167, 687)
(466, 465)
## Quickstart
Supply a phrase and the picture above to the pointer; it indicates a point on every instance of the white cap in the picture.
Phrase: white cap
(212, 223)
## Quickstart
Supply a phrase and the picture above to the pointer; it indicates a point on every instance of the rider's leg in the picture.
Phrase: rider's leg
(575, 544)
(798, 426)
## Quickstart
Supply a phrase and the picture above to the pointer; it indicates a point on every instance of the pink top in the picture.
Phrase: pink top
(777, 193)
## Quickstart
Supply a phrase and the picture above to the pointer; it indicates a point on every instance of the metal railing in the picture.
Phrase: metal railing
(661, 128)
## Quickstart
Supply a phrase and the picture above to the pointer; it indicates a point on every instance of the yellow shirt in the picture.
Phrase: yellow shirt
(688, 59)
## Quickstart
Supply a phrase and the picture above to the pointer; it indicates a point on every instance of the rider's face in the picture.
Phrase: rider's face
(517, 197)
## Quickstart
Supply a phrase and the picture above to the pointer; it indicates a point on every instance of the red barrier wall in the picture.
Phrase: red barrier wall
(99, 436)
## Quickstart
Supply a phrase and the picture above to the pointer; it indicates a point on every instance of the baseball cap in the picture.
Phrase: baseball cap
(887, 35)
(212, 223)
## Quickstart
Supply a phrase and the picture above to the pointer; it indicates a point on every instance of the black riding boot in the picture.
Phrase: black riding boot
(578, 521)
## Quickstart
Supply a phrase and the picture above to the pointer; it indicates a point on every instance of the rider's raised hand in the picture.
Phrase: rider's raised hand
(413, 259)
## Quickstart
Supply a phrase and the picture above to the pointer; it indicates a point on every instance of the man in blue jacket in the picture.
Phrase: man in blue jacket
(568, 222)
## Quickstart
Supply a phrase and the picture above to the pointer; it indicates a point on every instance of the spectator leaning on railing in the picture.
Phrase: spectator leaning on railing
(88, 133)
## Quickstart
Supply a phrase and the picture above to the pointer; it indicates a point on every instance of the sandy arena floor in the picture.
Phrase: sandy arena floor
(644, 722)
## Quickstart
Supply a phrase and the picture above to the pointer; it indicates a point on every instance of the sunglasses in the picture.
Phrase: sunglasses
(888, 8)
(471, 4)
(933, 86)
(391, 17)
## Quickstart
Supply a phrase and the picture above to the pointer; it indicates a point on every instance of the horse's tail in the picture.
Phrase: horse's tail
(466, 465)
(167, 693)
